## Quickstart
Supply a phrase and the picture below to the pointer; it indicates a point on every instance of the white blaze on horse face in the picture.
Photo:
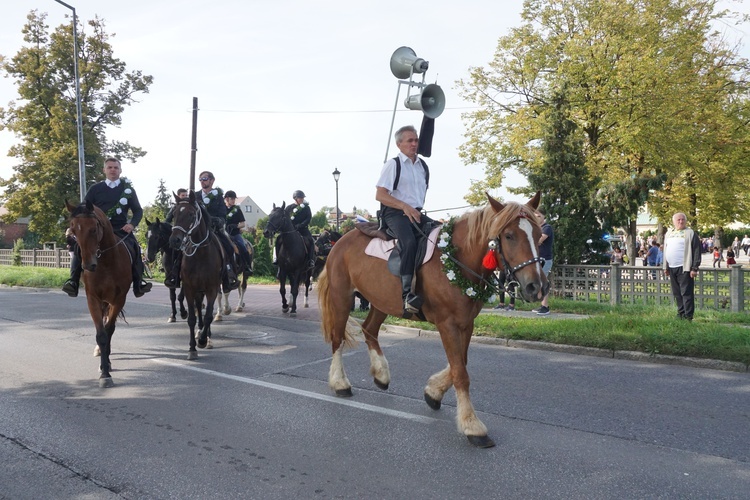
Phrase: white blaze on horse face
(526, 226)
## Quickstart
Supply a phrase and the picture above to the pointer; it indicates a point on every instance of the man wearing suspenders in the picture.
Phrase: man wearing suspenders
(402, 196)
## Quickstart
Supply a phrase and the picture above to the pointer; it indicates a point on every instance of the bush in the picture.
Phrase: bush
(16, 255)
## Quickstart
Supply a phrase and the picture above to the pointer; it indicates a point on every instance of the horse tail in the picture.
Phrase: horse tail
(324, 303)
(328, 317)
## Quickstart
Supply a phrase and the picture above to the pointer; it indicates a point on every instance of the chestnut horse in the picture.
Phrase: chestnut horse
(201, 265)
(106, 276)
(158, 241)
(515, 232)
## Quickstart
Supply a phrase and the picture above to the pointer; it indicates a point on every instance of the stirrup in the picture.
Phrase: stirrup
(412, 303)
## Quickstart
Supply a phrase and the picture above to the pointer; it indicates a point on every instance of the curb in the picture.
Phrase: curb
(709, 364)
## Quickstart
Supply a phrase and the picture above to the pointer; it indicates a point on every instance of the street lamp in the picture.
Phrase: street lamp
(81, 157)
(336, 175)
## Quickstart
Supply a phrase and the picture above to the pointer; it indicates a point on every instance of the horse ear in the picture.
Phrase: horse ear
(274, 206)
(147, 222)
(69, 206)
(496, 205)
(191, 197)
(157, 221)
(534, 202)
(283, 205)
(89, 206)
(176, 198)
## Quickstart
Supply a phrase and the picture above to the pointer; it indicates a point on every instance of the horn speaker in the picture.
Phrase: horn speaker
(431, 101)
(404, 62)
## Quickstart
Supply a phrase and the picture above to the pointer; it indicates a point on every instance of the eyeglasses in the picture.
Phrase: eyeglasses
(203, 179)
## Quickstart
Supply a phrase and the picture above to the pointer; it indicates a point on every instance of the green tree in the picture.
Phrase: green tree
(163, 201)
(44, 118)
(652, 88)
(319, 219)
(563, 180)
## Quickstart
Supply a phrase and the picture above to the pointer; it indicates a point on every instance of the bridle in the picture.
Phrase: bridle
(188, 246)
(100, 234)
(511, 281)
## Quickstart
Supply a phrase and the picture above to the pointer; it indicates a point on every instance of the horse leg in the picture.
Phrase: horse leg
(336, 306)
(193, 306)
(294, 286)
(241, 292)
(381, 373)
(181, 298)
(223, 299)
(456, 345)
(282, 291)
(205, 332)
(437, 386)
(306, 282)
(173, 302)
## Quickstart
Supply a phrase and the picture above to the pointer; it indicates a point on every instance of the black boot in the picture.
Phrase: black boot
(71, 286)
(412, 302)
(140, 287)
(231, 281)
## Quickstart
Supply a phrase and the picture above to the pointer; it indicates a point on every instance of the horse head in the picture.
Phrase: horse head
(515, 231)
(191, 225)
(158, 237)
(88, 224)
(276, 220)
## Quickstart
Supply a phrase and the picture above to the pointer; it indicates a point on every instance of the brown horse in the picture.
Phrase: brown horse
(106, 276)
(514, 230)
(201, 265)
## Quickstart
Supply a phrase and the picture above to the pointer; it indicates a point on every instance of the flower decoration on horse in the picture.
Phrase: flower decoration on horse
(475, 291)
(122, 204)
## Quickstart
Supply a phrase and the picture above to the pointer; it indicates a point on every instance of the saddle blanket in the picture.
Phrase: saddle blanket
(381, 248)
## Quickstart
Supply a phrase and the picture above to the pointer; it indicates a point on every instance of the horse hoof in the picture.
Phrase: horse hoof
(432, 403)
(106, 382)
(171, 319)
(344, 393)
(239, 309)
(292, 314)
(481, 441)
(306, 306)
(202, 343)
(218, 318)
(285, 309)
(209, 345)
(184, 315)
(227, 311)
(192, 355)
(381, 385)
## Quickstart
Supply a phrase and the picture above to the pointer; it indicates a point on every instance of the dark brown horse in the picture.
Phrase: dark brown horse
(158, 241)
(106, 276)
(514, 231)
(201, 265)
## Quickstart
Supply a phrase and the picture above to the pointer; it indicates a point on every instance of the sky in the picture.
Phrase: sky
(288, 90)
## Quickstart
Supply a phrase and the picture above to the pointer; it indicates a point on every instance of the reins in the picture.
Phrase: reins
(99, 251)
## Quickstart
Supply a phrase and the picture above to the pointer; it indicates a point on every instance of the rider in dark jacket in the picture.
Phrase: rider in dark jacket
(301, 215)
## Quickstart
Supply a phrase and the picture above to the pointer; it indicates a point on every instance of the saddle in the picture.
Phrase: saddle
(383, 245)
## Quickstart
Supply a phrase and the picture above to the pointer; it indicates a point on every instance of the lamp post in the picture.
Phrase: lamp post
(79, 118)
(336, 175)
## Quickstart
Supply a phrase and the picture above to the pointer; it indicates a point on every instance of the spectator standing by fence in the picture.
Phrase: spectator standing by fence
(682, 257)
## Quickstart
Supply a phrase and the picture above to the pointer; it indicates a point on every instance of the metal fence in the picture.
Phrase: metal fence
(725, 288)
(714, 288)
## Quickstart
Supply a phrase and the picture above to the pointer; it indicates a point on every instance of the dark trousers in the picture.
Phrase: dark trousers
(683, 286)
(405, 232)
(239, 241)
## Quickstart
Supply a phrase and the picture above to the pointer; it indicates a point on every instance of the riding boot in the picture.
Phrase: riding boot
(140, 287)
(172, 280)
(71, 286)
(412, 302)
(231, 278)
(311, 256)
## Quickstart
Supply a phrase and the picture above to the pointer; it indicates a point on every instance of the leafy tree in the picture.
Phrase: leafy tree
(262, 261)
(163, 201)
(653, 89)
(44, 118)
(563, 180)
(319, 219)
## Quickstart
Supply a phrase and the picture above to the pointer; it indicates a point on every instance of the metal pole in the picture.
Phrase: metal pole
(194, 144)
(337, 205)
(79, 117)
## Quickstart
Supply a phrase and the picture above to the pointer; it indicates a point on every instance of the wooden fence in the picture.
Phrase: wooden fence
(725, 288)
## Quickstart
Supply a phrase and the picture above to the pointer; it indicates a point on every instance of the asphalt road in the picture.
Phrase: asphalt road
(254, 417)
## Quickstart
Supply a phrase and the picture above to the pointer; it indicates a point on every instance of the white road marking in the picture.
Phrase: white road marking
(299, 392)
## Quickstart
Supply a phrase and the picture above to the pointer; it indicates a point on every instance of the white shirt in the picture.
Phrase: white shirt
(674, 248)
(412, 185)
(112, 184)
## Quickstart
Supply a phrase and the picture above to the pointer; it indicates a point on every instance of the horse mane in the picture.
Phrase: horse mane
(485, 224)
(96, 212)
